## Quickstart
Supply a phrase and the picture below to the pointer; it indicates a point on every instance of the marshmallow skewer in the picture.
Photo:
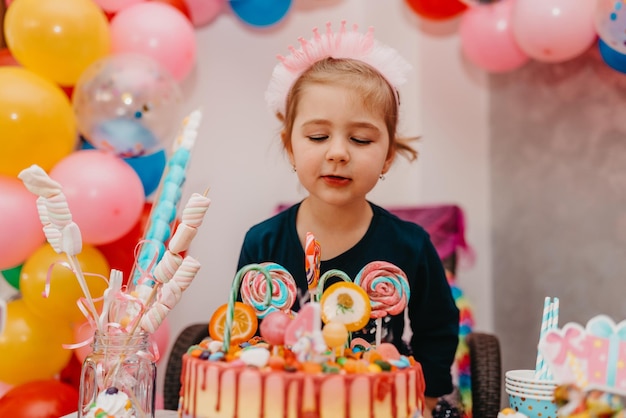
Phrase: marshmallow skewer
(168, 266)
(170, 295)
(61, 232)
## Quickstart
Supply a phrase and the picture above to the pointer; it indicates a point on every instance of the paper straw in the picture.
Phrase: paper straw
(545, 321)
(554, 324)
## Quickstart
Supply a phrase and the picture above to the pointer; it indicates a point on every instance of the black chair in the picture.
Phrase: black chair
(485, 366)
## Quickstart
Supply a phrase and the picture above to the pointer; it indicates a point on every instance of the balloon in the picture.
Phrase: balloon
(260, 12)
(553, 30)
(128, 105)
(65, 290)
(149, 168)
(57, 39)
(437, 9)
(204, 11)
(6, 58)
(487, 37)
(178, 4)
(31, 345)
(39, 399)
(71, 372)
(113, 6)
(12, 276)
(20, 225)
(4, 388)
(168, 36)
(104, 194)
(36, 121)
(610, 22)
(82, 332)
(611, 57)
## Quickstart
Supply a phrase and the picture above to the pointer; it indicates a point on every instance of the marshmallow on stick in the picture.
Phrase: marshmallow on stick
(170, 295)
(192, 218)
(61, 232)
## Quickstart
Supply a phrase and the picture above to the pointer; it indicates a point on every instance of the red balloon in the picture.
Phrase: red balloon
(437, 9)
(71, 373)
(178, 4)
(39, 399)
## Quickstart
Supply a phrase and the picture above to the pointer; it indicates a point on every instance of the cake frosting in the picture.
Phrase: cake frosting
(281, 386)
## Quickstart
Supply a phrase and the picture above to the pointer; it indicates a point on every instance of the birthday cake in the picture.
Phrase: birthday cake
(296, 367)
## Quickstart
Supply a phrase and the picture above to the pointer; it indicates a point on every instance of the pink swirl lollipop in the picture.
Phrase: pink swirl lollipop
(254, 289)
(387, 287)
(312, 257)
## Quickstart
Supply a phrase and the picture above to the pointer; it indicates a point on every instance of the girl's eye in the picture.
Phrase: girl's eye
(361, 141)
(318, 137)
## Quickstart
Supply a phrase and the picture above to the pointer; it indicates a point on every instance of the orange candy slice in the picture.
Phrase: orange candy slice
(244, 325)
(347, 303)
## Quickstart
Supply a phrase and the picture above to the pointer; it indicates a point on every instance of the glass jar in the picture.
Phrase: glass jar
(118, 377)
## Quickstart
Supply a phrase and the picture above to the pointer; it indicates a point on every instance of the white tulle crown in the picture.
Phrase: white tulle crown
(342, 44)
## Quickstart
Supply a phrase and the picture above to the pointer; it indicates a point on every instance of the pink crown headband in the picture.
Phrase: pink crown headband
(343, 44)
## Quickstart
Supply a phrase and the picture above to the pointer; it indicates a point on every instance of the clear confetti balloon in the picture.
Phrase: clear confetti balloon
(610, 21)
(127, 104)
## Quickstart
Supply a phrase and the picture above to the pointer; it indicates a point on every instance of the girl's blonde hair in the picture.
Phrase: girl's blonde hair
(376, 93)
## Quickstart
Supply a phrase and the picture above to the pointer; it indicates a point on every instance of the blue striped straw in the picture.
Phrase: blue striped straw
(554, 324)
(545, 321)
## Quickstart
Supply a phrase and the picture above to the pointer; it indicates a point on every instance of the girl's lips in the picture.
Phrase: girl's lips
(335, 180)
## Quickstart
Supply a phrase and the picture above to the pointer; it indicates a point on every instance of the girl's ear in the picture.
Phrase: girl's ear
(287, 146)
(390, 157)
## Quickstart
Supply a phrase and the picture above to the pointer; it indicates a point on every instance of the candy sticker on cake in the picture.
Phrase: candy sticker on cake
(254, 288)
(346, 303)
(388, 290)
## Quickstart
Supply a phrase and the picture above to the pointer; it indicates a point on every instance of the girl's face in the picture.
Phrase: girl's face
(338, 147)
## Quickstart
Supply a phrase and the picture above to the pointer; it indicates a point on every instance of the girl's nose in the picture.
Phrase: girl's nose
(337, 150)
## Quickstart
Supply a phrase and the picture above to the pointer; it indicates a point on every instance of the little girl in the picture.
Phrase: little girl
(338, 101)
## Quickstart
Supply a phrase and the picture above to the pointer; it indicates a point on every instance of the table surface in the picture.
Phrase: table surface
(159, 414)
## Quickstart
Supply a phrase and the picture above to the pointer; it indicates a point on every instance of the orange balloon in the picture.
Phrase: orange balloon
(65, 288)
(31, 346)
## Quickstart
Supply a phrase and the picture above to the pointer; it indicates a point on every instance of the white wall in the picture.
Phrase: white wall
(239, 157)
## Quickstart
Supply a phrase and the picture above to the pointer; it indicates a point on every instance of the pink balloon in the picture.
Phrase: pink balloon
(554, 30)
(167, 36)
(83, 332)
(204, 11)
(161, 337)
(21, 228)
(487, 37)
(104, 194)
(113, 6)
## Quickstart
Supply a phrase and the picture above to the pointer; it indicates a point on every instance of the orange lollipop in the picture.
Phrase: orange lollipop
(245, 323)
(346, 303)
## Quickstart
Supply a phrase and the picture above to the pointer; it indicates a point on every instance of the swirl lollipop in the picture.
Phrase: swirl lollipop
(388, 289)
(254, 290)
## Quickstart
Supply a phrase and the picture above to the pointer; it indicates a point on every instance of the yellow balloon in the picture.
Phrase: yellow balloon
(65, 289)
(31, 346)
(37, 123)
(58, 39)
